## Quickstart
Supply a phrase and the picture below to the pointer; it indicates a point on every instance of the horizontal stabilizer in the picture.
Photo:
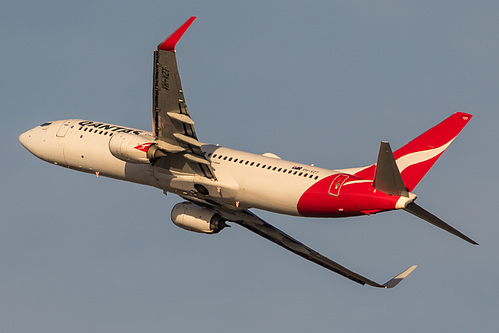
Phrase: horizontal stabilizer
(429, 217)
(387, 177)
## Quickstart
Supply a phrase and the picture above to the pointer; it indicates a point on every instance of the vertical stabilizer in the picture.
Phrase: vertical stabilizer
(418, 156)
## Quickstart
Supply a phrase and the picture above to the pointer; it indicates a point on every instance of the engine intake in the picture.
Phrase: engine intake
(134, 148)
(191, 217)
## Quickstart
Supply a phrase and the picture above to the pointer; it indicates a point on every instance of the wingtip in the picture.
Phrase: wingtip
(171, 41)
(396, 280)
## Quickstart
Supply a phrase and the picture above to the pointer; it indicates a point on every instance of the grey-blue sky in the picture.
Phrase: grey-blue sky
(317, 81)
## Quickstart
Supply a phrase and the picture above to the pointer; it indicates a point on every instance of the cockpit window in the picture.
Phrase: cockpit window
(45, 124)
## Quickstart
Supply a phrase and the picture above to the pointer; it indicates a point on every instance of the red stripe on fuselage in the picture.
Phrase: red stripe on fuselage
(355, 197)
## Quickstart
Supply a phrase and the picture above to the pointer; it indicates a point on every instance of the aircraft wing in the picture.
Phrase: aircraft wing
(172, 124)
(252, 222)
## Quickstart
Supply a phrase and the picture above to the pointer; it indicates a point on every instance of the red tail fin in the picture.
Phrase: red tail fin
(418, 156)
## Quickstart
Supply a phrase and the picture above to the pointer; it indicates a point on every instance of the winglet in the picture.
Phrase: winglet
(171, 41)
(393, 282)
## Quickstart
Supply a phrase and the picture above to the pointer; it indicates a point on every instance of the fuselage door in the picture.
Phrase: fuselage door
(336, 184)
(64, 128)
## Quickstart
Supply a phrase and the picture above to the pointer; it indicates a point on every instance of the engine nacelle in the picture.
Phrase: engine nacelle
(191, 217)
(134, 148)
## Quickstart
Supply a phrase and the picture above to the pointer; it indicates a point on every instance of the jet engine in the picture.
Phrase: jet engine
(191, 217)
(134, 148)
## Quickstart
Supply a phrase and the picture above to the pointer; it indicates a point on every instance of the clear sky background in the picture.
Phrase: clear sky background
(318, 82)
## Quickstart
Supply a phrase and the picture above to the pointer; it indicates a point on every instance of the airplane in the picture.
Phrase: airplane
(221, 185)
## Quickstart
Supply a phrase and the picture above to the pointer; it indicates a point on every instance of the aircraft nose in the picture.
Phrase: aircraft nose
(28, 140)
(25, 139)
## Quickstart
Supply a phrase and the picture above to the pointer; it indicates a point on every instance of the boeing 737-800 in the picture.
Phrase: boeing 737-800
(220, 184)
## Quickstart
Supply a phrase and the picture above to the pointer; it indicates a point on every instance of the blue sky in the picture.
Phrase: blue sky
(318, 82)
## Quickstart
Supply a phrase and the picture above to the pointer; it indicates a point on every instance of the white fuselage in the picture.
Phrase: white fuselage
(243, 180)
